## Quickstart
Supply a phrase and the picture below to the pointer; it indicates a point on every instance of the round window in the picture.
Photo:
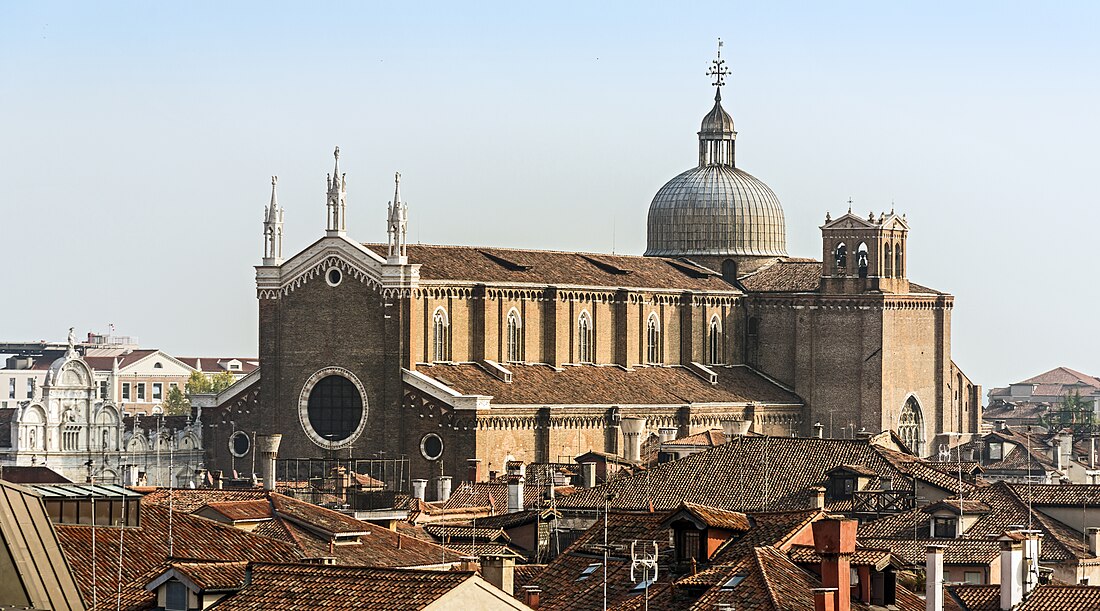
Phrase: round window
(239, 443)
(335, 408)
(333, 276)
(431, 446)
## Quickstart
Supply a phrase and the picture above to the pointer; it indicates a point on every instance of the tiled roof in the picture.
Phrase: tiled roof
(32, 475)
(1055, 495)
(213, 575)
(1063, 376)
(771, 582)
(450, 533)
(609, 384)
(964, 506)
(145, 550)
(708, 438)
(259, 509)
(106, 363)
(976, 597)
(543, 267)
(747, 474)
(188, 500)
(296, 587)
(1042, 598)
(1060, 542)
(717, 518)
(957, 551)
(316, 517)
(217, 364)
(492, 495)
(512, 520)
(785, 276)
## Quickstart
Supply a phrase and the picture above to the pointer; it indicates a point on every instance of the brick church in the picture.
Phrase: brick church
(445, 353)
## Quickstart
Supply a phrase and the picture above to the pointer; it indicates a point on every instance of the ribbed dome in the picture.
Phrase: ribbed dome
(716, 210)
(717, 120)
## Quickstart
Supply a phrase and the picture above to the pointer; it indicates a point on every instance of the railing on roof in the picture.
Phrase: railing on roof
(882, 502)
(357, 483)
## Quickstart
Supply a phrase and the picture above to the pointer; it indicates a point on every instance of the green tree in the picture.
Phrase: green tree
(197, 384)
(221, 381)
(1075, 412)
(176, 403)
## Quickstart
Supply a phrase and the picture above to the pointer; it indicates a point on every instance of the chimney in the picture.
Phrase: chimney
(475, 469)
(824, 599)
(1056, 454)
(268, 448)
(1092, 451)
(1031, 560)
(218, 484)
(667, 434)
(499, 571)
(1094, 541)
(632, 438)
(735, 427)
(863, 433)
(515, 494)
(341, 480)
(999, 425)
(933, 578)
(588, 474)
(819, 430)
(1012, 572)
(419, 487)
(531, 596)
(443, 488)
(835, 541)
(817, 497)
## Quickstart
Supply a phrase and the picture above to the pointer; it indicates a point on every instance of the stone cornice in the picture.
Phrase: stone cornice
(354, 260)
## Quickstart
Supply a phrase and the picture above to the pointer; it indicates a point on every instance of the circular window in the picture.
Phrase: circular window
(333, 276)
(239, 444)
(431, 446)
(332, 408)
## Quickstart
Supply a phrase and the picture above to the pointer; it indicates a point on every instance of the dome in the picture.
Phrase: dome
(717, 121)
(716, 210)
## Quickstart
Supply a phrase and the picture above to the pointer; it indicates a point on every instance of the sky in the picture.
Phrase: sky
(138, 140)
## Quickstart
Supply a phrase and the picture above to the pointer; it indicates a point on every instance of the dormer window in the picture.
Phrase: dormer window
(996, 450)
(689, 544)
(944, 527)
(175, 596)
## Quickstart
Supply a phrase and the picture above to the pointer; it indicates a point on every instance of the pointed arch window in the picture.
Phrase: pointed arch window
(653, 340)
(888, 261)
(840, 255)
(441, 336)
(585, 348)
(899, 271)
(515, 339)
(714, 341)
(911, 426)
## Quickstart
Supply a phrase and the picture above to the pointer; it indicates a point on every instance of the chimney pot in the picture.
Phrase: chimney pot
(588, 474)
(835, 541)
(268, 448)
(933, 573)
(667, 434)
(633, 429)
(531, 596)
(443, 488)
(419, 487)
(819, 430)
(817, 497)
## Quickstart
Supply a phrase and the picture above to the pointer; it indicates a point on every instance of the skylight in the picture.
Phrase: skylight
(732, 582)
(587, 572)
(642, 585)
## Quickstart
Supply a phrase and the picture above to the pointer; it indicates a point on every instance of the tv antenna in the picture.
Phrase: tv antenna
(647, 564)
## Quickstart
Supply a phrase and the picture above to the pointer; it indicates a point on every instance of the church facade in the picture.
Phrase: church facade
(447, 354)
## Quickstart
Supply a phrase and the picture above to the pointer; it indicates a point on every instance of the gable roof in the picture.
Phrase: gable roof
(293, 587)
(748, 474)
(538, 384)
(37, 572)
(1043, 598)
(471, 264)
(1063, 376)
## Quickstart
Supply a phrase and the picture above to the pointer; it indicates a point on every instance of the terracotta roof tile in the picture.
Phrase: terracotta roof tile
(957, 551)
(1057, 495)
(188, 500)
(258, 509)
(747, 474)
(543, 267)
(295, 587)
(213, 576)
(785, 276)
(603, 385)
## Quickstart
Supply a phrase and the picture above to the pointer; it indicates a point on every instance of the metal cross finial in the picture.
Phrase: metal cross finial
(718, 68)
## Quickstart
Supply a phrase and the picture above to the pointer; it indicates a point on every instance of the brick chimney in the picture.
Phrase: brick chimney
(531, 596)
(476, 469)
(824, 599)
(835, 541)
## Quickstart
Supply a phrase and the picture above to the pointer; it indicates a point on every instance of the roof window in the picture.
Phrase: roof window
(588, 570)
(732, 582)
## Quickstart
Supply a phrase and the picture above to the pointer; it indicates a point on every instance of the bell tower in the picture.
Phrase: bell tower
(864, 255)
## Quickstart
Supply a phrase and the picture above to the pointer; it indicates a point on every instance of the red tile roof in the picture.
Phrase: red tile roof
(543, 267)
(188, 500)
(785, 276)
(145, 551)
(304, 587)
(1042, 598)
(603, 385)
(237, 511)
(213, 576)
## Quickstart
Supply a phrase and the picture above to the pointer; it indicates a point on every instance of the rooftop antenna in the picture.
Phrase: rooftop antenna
(647, 564)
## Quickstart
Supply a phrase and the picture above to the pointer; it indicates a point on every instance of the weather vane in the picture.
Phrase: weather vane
(718, 68)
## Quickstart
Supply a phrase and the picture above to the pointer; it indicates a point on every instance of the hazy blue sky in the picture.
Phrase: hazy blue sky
(138, 140)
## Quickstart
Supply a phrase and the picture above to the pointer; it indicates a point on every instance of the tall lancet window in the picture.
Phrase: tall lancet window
(911, 426)
(441, 336)
(515, 337)
(898, 260)
(888, 260)
(653, 341)
(714, 341)
(585, 349)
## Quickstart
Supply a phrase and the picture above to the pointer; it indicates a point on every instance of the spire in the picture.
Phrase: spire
(273, 229)
(716, 136)
(337, 199)
(397, 224)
